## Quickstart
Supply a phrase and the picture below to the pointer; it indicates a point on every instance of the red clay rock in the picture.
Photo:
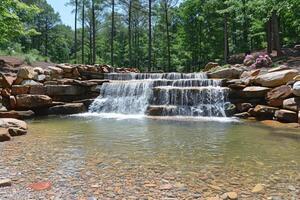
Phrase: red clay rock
(40, 186)
(19, 89)
(12, 102)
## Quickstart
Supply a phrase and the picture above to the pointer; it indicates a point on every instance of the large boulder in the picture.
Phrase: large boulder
(32, 101)
(229, 73)
(62, 90)
(69, 108)
(276, 96)
(277, 78)
(296, 89)
(286, 116)
(17, 114)
(262, 112)
(26, 73)
(292, 104)
(255, 92)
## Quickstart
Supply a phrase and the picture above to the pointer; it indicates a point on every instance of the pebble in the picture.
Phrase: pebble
(258, 188)
(5, 182)
(166, 187)
(232, 195)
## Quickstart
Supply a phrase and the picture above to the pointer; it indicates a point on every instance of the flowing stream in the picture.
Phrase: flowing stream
(162, 94)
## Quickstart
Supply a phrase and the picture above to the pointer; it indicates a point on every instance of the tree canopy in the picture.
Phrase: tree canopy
(184, 35)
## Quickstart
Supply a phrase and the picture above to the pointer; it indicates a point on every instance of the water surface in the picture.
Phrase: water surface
(108, 158)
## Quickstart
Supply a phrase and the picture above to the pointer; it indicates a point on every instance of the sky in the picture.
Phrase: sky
(65, 11)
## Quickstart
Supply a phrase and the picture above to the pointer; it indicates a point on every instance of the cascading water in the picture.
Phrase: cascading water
(162, 94)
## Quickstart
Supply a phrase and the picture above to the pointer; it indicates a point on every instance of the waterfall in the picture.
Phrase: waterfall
(161, 94)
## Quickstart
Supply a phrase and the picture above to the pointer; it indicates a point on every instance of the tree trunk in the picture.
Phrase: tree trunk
(226, 46)
(91, 43)
(46, 37)
(82, 35)
(168, 36)
(112, 33)
(94, 32)
(245, 27)
(150, 37)
(75, 43)
(276, 36)
(269, 36)
(129, 32)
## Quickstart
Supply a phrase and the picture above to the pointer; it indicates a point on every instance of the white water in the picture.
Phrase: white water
(164, 94)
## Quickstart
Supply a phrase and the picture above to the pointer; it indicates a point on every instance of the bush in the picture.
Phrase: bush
(263, 60)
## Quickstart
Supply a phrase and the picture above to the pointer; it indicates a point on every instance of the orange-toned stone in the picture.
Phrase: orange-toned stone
(40, 186)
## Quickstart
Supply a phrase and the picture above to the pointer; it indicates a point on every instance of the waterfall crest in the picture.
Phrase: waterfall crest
(162, 94)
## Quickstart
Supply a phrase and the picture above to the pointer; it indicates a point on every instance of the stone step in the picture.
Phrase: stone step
(205, 110)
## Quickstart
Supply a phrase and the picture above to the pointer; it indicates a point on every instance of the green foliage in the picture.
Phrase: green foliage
(195, 27)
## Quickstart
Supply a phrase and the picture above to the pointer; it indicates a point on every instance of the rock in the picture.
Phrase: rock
(16, 132)
(13, 123)
(4, 136)
(41, 78)
(243, 107)
(30, 83)
(86, 102)
(229, 73)
(166, 187)
(286, 116)
(7, 81)
(243, 115)
(275, 79)
(277, 124)
(37, 89)
(255, 92)
(12, 102)
(65, 68)
(40, 186)
(232, 195)
(296, 78)
(210, 66)
(33, 101)
(26, 73)
(5, 182)
(6, 92)
(249, 60)
(19, 89)
(69, 108)
(259, 188)
(292, 104)
(17, 114)
(299, 117)
(55, 70)
(230, 109)
(62, 90)
(279, 68)
(276, 96)
(262, 112)
(38, 70)
(296, 89)
(252, 73)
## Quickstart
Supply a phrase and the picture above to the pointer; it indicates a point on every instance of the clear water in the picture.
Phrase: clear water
(122, 156)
